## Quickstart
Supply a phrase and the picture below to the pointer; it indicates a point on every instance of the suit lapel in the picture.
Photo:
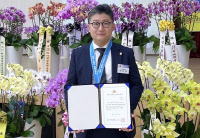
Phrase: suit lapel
(88, 72)
(116, 59)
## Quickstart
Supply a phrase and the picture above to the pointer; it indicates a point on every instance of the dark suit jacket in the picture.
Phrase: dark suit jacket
(80, 70)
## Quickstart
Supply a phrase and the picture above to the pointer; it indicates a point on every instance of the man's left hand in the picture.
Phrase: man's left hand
(126, 129)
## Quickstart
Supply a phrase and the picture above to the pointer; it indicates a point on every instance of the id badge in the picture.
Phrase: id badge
(123, 69)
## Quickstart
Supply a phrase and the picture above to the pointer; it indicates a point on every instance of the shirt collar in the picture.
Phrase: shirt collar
(96, 46)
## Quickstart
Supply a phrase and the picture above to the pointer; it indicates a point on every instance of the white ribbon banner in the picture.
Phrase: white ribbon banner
(2, 55)
(162, 118)
(39, 63)
(162, 44)
(48, 53)
(66, 133)
(71, 37)
(124, 38)
(173, 45)
(153, 118)
(130, 39)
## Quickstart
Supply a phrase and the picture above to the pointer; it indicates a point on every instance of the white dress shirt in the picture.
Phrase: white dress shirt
(108, 66)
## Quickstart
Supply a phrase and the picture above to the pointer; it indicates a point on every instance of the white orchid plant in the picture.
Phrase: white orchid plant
(19, 89)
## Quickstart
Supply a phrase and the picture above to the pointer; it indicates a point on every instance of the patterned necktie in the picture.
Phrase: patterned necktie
(103, 77)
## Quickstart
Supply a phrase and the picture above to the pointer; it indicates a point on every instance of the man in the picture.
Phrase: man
(82, 69)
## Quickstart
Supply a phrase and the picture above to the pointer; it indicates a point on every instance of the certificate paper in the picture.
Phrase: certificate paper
(83, 107)
(115, 106)
(98, 106)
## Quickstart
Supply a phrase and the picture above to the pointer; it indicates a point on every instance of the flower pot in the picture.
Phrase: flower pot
(65, 58)
(183, 55)
(55, 60)
(25, 51)
(32, 53)
(37, 129)
(13, 56)
(32, 63)
(65, 51)
(139, 56)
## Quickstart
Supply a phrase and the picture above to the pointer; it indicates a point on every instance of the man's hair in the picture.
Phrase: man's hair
(99, 9)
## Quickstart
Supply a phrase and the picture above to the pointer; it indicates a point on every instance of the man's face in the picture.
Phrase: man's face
(101, 35)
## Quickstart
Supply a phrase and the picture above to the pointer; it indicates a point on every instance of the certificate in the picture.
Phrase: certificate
(98, 106)
(115, 106)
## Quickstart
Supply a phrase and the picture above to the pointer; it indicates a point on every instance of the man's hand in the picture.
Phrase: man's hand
(126, 129)
(78, 131)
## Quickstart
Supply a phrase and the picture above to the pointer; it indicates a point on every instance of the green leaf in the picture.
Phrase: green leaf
(178, 127)
(59, 37)
(11, 128)
(187, 129)
(27, 133)
(147, 136)
(86, 39)
(44, 109)
(16, 46)
(42, 121)
(145, 116)
(59, 113)
(29, 120)
(34, 113)
(56, 49)
(197, 133)
(60, 123)
(142, 48)
(75, 45)
(36, 37)
(139, 117)
(53, 42)
(48, 120)
(182, 38)
(156, 43)
(29, 42)
(178, 118)
(188, 46)
(117, 41)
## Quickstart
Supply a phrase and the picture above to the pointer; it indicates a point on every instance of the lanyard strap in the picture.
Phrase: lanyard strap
(98, 73)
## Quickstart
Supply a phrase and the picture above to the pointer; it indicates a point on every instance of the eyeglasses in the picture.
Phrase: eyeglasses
(97, 24)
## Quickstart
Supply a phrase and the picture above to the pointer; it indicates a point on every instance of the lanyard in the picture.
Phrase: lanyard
(98, 73)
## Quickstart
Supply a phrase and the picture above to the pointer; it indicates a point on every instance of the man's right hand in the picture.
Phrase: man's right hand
(78, 131)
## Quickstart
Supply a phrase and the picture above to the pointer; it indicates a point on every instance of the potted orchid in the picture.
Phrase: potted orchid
(15, 87)
(77, 11)
(134, 18)
(11, 24)
(183, 13)
(172, 100)
(55, 92)
(187, 15)
(12, 21)
(47, 17)
(37, 113)
(20, 88)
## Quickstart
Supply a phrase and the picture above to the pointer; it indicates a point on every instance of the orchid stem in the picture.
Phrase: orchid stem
(139, 108)
(196, 121)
